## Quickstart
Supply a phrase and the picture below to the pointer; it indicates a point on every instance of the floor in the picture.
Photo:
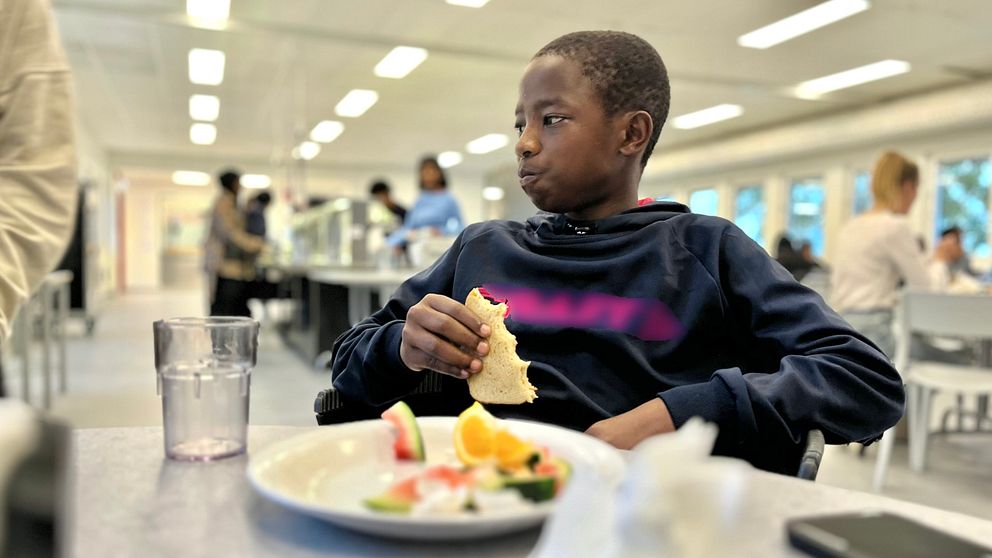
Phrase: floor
(112, 383)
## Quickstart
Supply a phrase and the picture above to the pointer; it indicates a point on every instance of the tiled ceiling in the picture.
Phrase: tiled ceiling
(290, 61)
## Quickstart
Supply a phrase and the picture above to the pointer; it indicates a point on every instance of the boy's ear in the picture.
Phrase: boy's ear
(637, 132)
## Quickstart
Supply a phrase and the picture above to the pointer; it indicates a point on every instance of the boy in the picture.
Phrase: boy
(759, 355)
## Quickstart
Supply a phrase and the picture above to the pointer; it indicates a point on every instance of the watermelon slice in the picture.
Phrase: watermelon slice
(409, 444)
(398, 498)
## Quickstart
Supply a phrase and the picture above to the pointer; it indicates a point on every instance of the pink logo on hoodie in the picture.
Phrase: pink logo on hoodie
(644, 318)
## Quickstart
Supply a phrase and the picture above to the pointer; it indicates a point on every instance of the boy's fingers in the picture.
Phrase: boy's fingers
(425, 361)
(459, 312)
(441, 351)
(444, 325)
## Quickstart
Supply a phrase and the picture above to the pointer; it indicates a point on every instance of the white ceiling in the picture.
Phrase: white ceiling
(290, 61)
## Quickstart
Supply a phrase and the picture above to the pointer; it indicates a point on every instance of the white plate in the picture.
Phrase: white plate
(328, 472)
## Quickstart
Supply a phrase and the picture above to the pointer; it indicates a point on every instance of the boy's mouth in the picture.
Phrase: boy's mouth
(528, 177)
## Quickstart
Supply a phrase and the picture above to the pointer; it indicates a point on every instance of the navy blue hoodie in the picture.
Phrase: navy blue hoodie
(761, 356)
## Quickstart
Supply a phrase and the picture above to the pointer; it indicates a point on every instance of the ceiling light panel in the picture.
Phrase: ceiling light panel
(190, 178)
(448, 159)
(356, 102)
(306, 150)
(202, 134)
(707, 116)
(815, 88)
(801, 23)
(206, 67)
(256, 181)
(400, 61)
(493, 193)
(205, 108)
(326, 131)
(209, 14)
(487, 143)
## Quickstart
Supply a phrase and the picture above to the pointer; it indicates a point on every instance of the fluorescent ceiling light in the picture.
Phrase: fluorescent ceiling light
(206, 67)
(492, 193)
(306, 150)
(449, 159)
(326, 131)
(256, 181)
(801, 23)
(190, 178)
(210, 14)
(814, 88)
(468, 3)
(356, 102)
(487, 143)
(400, 61)
(707, 116)
(202, 134)
(204, 107)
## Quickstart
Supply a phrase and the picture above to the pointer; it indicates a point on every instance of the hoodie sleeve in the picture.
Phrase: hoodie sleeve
(807, 368)
(366, 366)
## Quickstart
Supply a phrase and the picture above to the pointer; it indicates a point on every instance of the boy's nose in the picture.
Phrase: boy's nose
(527, 145)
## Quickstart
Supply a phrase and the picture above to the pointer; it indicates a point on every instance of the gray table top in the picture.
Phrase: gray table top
(128, 500)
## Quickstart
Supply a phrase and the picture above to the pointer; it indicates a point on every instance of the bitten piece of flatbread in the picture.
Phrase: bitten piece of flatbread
(503, 378)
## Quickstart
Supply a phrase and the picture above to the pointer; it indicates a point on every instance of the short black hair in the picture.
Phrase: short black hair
(625, 70)
(228, 178)
(263, 199)
(955, 230)
(379, 187)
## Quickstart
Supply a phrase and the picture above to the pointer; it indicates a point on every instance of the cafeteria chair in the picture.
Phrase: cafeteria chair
(428, 400)
(944, 315)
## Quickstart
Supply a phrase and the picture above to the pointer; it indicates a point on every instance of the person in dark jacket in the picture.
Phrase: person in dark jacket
(754, 351)
(255, 216)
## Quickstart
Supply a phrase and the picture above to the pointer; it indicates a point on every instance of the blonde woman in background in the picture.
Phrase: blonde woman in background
(878, 251)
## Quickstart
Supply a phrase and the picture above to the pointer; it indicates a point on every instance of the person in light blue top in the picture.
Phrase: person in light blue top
(436, 209)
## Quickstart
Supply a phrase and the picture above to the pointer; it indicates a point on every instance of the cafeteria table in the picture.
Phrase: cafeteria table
(126, 499)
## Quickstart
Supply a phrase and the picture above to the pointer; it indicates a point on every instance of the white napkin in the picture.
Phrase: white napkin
(674, 500)
(19, 432)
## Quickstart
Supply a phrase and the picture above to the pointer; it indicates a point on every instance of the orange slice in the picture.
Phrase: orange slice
(475, 435)
(511, 452)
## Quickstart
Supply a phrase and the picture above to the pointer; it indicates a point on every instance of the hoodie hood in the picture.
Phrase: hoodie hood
(630, 220)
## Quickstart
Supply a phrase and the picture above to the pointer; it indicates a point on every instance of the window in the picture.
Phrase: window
(963, 201)
(704, 202)
(806, 198)
(749, 212)
(862, 193)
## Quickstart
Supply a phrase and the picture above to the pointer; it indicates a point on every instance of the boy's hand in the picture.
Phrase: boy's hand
(626, 430)
(443, 335)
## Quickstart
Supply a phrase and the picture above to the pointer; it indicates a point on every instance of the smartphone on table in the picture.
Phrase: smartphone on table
(875, 534)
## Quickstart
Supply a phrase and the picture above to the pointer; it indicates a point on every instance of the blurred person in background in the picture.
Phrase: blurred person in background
(877, 251)
(807, 256)
(230, 252)
(380, 192)
(953, 274)
(255, 216)
(436, 210)
(790, 259)
(37, 155)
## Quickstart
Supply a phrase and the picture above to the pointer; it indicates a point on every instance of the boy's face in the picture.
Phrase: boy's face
(569, 150)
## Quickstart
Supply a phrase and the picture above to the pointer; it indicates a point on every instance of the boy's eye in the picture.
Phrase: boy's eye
(519, 128)
(551, 119)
